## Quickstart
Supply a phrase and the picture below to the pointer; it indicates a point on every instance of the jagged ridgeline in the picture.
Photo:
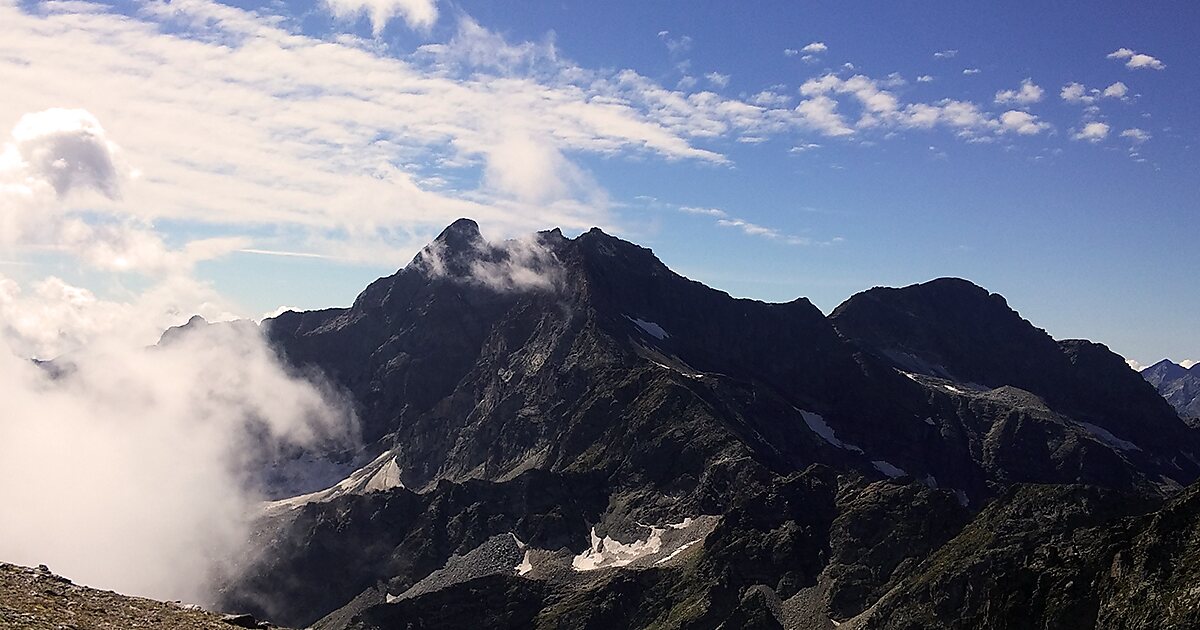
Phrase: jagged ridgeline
(564, 433)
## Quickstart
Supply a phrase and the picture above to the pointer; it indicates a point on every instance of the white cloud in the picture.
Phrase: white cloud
(711, 212)
(1075, 93)
(334, 140)
(1092, 132)
(1116, 90)
(418, 14)
(1079, 93)
(1188, 363)
(173, 439)
(66, 149)
(751, 229)
(1027, 94)
(717, 79)
(1135, 135)
(924, 78)
(946, 54)
(820, 113)
(55, 156)
(769, 98)
(676, 45)
(815, 47)
(970, 71)
(1022, 123)
(790, 52)
(1136, 60)
(1136, 365)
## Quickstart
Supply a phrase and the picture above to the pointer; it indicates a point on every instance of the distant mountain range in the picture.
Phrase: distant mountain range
(564, 433)
(1179, 385)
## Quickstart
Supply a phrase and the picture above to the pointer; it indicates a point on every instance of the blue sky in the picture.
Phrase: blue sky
(231, 159)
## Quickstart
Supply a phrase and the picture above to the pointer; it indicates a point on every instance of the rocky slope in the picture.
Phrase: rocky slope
(564, 433)
(36, 599)
(1180, 386)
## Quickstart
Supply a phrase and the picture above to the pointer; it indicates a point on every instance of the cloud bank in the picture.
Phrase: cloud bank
(133, 469)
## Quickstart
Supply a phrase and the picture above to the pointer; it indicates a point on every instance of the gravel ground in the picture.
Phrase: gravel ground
(36, 599)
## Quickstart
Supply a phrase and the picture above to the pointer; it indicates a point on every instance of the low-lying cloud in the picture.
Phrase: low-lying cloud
(520, 264)
(134, 468)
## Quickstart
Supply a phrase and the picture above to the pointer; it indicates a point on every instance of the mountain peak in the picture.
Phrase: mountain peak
(462, 233)
(1165, 364)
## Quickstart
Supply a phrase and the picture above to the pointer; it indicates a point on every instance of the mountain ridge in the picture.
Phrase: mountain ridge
(585, 369)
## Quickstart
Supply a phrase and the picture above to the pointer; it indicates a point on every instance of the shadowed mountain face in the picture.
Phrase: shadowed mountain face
(1180, 386)
(565, 433)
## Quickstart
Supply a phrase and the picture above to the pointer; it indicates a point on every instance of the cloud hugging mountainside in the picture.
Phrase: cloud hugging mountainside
(565, 433)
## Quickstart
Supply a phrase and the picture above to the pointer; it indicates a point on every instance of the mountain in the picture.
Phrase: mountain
(1180, 386)
(564, 433)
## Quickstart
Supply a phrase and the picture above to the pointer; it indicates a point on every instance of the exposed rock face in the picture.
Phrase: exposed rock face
(1062, 557)
(650, 452)
(1180, 386)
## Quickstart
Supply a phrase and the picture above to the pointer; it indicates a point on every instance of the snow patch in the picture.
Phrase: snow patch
(962, 498)
(607, 552)
(650, 328)
(679, 371)
(526, 565)
(678, 551)
(818, 425)
(1107, 438)
(930, 421)
(383, 473)
(888, 469)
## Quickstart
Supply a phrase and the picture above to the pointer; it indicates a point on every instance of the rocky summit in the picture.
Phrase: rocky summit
(564, 433)
(1180, 386)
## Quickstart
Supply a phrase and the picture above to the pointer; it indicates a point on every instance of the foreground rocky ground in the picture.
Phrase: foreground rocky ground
(36, 599)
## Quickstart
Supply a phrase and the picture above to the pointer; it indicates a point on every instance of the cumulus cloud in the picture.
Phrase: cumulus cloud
(1079, 93)
(1135, 60)
(880, 108)
(1136, 365)
(418, 14)
(946, 54)
(1116, 90)
(1022, 122)
(58, 156)
(1188, 363)
(820, 114)
(970, 71)
(790, 52)
(138, 469)
(1092, 132)
(65, 149)
(815, 48)
(1027, 94)
(52, 155)
(924, 78)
